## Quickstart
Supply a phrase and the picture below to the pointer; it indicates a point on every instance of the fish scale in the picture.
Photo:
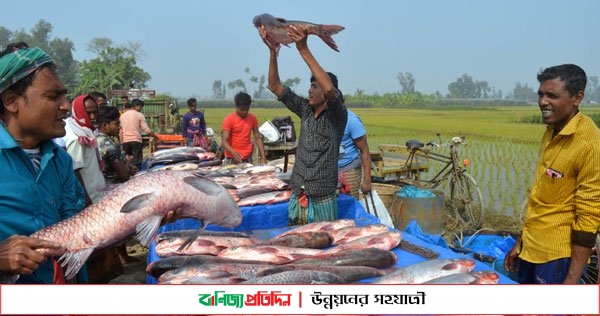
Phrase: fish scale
(139, 206)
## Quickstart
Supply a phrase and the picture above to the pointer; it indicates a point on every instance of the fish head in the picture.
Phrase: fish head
(257, 21)
(463, 265)
(486, 277)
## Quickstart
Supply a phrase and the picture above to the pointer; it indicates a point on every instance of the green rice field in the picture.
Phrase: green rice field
(501, 145)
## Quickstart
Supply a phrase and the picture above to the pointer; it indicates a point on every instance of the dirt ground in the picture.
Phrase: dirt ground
(134, 272)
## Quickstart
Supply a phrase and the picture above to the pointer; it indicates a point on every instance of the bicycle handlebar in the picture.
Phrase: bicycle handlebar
(454, 141)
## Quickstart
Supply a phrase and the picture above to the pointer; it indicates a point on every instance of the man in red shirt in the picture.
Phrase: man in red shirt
(236, 130)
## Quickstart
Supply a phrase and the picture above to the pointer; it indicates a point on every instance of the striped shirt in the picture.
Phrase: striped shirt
(565, 197)
(315, 167)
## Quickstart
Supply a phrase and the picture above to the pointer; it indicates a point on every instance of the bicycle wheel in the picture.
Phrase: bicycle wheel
(467, 200)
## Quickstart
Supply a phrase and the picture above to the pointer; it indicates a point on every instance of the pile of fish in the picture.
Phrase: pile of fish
(180, 158)
(336, 252)
(250, 184)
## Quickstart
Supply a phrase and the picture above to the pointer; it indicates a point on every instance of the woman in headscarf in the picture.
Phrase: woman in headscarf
(82, 146)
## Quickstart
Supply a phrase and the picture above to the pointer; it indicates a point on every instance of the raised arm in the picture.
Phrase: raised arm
(299, 35)
(274, 83)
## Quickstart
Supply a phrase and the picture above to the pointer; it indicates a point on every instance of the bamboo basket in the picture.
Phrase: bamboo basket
(386, 193)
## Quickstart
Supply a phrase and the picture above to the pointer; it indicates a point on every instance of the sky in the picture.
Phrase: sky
(190, 44)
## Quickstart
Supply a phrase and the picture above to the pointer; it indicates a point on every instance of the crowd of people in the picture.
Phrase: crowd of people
(101, 145)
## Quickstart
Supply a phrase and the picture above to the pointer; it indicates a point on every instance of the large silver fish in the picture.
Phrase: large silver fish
(139, 206)
(473, 277)
(297, 277)
(427, 270)
(201, 245)
(277, 30)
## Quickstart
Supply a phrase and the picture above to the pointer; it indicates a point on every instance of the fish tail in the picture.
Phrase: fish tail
(332, 28)
(325, 32)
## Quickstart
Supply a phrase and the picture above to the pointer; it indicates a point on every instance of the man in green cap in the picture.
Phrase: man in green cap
(43, 187)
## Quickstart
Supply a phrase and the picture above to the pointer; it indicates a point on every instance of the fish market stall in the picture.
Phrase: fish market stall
(266, 221)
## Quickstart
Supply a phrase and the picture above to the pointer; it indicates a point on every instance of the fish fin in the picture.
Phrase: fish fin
(73, 261)
(146, 229)
(236, 280)
(329, 41)
(206, 186)
(191, 238)
(229, 186)
(283, 259)
(325, 34)
(137, 202)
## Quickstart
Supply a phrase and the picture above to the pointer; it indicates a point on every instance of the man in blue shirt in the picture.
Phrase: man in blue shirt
(354, 164)
(38, 185)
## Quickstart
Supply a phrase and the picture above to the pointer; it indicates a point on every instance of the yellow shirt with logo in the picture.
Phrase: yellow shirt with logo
(565, 196)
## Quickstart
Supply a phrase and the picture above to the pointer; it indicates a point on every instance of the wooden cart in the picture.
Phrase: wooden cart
(388, 165)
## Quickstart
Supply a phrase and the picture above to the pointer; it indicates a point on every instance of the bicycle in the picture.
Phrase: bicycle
(466, 199)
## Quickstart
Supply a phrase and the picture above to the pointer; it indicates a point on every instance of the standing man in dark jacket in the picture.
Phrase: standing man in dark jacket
(323, 119)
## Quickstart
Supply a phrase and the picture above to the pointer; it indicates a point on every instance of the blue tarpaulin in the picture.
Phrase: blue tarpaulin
(413, 191)
(269, 220)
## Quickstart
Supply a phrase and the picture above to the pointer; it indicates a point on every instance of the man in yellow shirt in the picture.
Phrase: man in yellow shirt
(563, 214)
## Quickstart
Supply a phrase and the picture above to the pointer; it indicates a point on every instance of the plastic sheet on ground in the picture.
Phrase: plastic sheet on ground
(269, 220)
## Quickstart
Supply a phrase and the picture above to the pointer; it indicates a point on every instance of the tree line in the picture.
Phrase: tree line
(115, 67)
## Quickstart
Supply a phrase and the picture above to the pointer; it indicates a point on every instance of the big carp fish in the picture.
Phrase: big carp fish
(138, 205)
(276, 30)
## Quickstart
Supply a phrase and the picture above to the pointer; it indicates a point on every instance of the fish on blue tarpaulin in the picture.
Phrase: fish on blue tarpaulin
(473, 277)
(297, 277)
(160, 266)
(427, 270)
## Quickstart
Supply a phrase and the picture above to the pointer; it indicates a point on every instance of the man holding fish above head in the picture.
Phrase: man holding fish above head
(323, 119)
(43, 187)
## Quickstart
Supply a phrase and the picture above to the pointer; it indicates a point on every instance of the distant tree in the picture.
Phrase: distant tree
(259, 84)
(496, 94)
(61, 50)
(407, 82)
(5, 36)
(592, 91)
(99, 45)
(259, 93)
(218, 90)
(115, 67)
(292, 82)
(463, 88)
(481, 89)
(524, 93)
(237, 85)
